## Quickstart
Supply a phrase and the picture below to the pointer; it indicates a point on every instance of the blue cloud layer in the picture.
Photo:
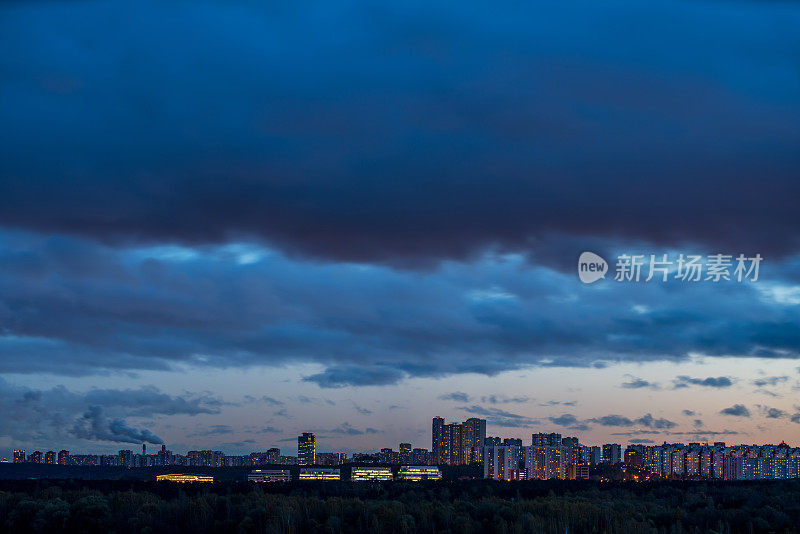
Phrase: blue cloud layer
(71, 306)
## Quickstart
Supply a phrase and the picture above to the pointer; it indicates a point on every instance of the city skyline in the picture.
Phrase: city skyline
(442, 440)
(223, 225)
(548, 456)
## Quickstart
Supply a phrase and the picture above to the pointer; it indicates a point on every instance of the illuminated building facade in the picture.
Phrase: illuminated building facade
(419, 472)
(405, 453)
(501, 462)
(366, 474)
(306, 449)
(184, 478)
(612, 453)
(319, 473)
(269, 475)
(474, 436)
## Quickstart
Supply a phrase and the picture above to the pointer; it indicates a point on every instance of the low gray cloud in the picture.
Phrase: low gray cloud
(737, 410)
(455, 396)
(362, 411)
(213, 430)
(773, 413)
(647, 421)
(351, 375)
(564, 420)
(558, 403)
(498, 417)
(640, 440)
(638, 383)
(711, 382)
(263, 399)
(569, 421)
(501, 399)
(705, 433)
(348, 430)
(769, 381)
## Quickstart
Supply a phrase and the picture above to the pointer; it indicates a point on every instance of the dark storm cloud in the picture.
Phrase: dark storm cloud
(711, 382)
(737, 410)
(242, 305)
(407, 132)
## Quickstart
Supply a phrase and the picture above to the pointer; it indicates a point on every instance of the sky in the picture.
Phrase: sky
(226, 223)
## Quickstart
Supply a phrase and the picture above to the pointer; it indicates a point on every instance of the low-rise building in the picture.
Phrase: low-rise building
(182, 477)
(269, 475)
(319, 473)
(364, 474)
(419, 472)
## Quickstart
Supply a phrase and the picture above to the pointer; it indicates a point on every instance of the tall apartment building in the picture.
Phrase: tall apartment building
(456, 443)
(437, 430)
(63, 457)
(501, 462)
(19, 456)
(572, 450)
(420, 457)
(546, 462)
(540, 439)
(50, 457)
(474, 436)
(306, 449)
(405, 453)
(125, 457)
(612, 453)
